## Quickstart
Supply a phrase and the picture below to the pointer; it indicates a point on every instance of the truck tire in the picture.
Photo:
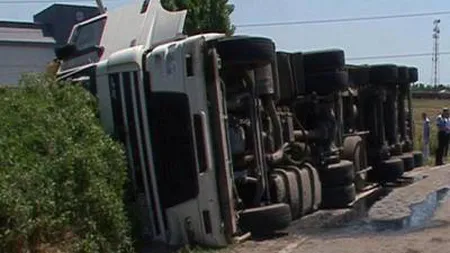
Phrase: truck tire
(413, 74)
(292, 191)
(307, 192)
(403, 74)
(390, 170)
(245, 50)
(353, 152)
(408, 161)
(324, 83)
(349, 147)
(359, 75)
(265, 219)
(304, 187)
(278, 192)
(297, 66)
(337, 174)
(338, 197)
(288, 89)
(323, 60)
(418, 159)
(386, 73)
(315, 185)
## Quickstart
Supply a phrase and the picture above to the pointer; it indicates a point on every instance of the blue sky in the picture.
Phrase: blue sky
(358, 39)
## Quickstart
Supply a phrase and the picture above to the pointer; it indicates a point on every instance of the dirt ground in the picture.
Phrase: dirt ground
(435, 237)
(432, 236)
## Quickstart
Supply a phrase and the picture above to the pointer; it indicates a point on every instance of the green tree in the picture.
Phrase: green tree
(204, 15)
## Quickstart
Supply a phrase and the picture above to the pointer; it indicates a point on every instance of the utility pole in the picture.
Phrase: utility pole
(435, 57)
(100, 6)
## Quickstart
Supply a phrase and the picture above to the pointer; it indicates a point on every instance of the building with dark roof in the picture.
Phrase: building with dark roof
(58, 19)
(29, 46)
(23, 48)
(22, 32)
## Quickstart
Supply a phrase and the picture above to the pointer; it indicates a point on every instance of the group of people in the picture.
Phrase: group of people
(443, 136)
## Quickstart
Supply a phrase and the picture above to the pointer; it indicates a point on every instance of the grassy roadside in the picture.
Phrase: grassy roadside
(433, 108)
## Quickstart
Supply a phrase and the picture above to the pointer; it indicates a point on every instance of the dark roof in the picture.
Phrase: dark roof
(48, 22)
(23, 32)
(57, 6)
(59, 19)
(19, 24)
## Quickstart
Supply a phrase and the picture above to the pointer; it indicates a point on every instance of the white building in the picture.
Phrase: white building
(23, 49)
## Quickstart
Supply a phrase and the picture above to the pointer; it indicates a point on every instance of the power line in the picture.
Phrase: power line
(351, 19)
(395, 56)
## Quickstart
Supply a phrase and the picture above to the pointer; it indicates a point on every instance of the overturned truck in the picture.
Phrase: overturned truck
(223, 134)
(198, 119)
(310, 86)
(380, 93)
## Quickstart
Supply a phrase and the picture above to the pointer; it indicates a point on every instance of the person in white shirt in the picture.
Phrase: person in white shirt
(425, 136)
(442, 124)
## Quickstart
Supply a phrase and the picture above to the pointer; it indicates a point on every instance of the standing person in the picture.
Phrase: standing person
(442, 125)
(426, 137)
(447, 123)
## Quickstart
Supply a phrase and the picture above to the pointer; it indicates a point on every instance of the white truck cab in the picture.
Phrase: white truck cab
(164, 96)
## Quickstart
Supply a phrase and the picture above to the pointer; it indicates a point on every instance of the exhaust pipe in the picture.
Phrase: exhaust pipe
(100, 6)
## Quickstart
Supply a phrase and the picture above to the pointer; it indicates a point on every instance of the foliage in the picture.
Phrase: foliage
(204, 15)
(61, 176)
(425, 87)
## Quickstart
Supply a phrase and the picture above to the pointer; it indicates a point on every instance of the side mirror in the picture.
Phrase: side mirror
(65, 52)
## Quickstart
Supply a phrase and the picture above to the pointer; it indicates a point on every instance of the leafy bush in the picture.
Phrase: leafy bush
(61, 176)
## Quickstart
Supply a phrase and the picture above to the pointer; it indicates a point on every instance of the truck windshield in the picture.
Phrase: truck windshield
(83, 37)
